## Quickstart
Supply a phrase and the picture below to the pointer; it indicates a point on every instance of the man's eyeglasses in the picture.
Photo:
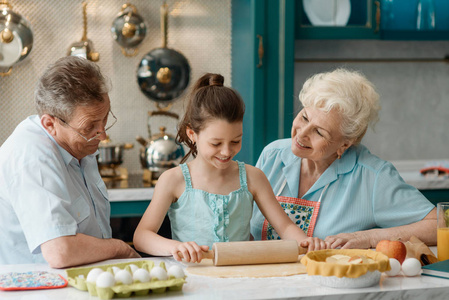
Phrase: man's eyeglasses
(109, 123)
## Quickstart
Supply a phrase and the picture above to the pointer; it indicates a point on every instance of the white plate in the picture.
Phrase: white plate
(327, 12)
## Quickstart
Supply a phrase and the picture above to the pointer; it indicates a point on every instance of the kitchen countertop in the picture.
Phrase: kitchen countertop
(292, 287)
(131, 197)
(135, 189)
(409, 170)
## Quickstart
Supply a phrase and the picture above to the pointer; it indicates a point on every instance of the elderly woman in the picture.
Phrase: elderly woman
(329, 184)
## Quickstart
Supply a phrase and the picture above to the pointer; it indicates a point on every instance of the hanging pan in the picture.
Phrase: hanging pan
(16, 38)
(84, 48)
(163, 73)
(128, 29)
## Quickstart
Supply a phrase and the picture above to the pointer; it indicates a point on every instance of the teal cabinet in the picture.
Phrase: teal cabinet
(355, 20)
(380, 19)
(263, 44)
(262, 70)
(436, 196)
(414, 19)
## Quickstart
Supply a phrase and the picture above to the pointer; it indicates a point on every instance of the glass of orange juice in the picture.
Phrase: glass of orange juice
(443, 230)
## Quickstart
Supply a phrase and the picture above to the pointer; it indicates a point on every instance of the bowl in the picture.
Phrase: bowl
(338, 275)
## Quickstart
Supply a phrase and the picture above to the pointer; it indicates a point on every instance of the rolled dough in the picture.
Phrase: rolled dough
(206, 268)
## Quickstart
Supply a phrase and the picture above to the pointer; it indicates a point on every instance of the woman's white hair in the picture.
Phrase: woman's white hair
(350, 93)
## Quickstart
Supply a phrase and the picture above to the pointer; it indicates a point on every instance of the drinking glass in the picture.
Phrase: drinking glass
(443, 230)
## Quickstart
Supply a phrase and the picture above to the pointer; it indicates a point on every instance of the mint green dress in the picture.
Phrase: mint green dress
(206, 218)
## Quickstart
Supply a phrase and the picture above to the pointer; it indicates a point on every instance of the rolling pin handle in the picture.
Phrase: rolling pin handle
(206, 255)
(302, 250)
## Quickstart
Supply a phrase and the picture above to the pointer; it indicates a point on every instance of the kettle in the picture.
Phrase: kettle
(161, 151)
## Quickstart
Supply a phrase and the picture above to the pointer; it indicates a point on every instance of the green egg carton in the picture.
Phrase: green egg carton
(77, 278)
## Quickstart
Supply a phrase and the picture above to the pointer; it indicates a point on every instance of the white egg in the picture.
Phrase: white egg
(411, 267)
(124, 277)
(395, 267)
(159, 273)
(141, 275)
(133, 268)
(93, 274)
(175, 271)
(115, 269)
(105, 280)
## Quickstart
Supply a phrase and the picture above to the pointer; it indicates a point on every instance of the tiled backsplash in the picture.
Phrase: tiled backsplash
(200, 29)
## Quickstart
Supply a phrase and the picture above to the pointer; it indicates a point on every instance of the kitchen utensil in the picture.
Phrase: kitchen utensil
(16, 38)
(163, 73)
(84, 48)
(128, 29)
(254, 252)
(111, 155)
(160, 152)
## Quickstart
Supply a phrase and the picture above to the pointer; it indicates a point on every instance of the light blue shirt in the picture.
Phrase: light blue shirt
(46, 193)
(364, 191)
(206, 218)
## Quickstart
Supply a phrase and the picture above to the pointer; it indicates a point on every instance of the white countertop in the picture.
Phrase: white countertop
(410, 172)
(292, 287)
(130, 194)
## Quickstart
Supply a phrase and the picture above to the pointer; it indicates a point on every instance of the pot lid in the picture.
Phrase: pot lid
(163, 74)
(10, 52)
(128, 28)
(16, 38)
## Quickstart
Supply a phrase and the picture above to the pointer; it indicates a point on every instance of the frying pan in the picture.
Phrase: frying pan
(128, 29)
(16, 37)
(163, 73)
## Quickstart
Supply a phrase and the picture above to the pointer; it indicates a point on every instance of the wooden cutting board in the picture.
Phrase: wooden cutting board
(206, 268)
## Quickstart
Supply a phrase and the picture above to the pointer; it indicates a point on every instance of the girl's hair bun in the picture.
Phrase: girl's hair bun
(216, 80)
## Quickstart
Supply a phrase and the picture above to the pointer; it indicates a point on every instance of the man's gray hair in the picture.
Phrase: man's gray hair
(69, 82)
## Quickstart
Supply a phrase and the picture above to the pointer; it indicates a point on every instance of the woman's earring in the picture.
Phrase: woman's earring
(338, 156)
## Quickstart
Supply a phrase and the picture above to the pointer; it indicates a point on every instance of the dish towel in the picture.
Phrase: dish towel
(33, 280)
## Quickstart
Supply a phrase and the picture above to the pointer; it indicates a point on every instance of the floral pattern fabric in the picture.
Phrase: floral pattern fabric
(31, 280)
(302, 212)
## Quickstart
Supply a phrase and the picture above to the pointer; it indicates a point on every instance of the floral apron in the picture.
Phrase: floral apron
(302, 212)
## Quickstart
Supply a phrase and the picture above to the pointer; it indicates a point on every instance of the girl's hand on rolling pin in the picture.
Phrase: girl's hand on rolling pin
(314, 243)
(189, 251)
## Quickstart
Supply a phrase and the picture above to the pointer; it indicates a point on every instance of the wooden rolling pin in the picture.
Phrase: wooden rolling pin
(254, 252)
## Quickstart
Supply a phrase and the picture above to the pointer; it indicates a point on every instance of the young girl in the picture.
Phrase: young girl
(210, 199)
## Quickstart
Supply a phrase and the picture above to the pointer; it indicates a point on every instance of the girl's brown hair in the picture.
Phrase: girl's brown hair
(209, 100)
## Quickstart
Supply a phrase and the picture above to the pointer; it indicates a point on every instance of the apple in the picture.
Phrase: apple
(356, 259)
(392, 249)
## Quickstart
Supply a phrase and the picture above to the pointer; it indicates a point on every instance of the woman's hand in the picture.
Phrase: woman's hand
(355, 240)
(314, 243)
(189, 251)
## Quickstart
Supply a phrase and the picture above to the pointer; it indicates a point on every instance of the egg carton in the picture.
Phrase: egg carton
(77, 278)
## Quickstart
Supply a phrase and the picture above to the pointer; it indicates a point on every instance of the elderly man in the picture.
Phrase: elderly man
(53, 203)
